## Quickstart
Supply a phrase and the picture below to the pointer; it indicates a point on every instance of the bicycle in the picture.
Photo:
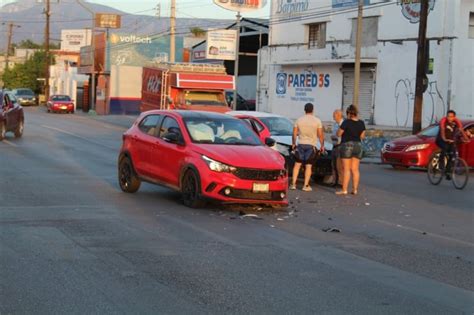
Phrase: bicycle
(458, 168)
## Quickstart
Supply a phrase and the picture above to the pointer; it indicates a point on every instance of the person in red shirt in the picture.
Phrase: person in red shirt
(449, 128)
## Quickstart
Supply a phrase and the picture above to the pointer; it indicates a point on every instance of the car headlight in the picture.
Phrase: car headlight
(417, 147)
(218, 166)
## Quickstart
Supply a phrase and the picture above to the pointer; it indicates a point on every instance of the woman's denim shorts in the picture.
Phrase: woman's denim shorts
(351, 149)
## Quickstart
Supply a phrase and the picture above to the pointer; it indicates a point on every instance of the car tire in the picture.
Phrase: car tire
(400, 167)
(191, 190)
(3, 131)
(19, 129)
(127, 177)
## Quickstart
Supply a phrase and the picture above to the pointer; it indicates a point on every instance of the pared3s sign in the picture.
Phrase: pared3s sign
(301, 84)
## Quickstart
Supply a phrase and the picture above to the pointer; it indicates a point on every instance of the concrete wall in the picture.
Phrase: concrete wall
(450, 85)
(125, 91)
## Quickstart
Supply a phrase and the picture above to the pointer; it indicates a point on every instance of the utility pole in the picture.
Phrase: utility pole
(421, 78)
(360, 14)
(92, 88)
(173, 31)
(236, 65)
(9, 44)
(47, 12)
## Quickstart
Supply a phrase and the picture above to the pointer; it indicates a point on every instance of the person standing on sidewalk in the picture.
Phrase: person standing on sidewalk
(336, 142)
(352, 132)
(307, 130)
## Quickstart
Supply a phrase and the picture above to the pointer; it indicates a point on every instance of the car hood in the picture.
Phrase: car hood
(413, 139)
(287, 140)
(257, 157)
(25, 96)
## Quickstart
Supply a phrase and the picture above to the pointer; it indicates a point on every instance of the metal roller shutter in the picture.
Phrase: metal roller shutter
(366, 95)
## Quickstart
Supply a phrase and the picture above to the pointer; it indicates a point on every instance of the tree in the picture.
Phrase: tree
(29, 44)
(26, 75)
(197, 31)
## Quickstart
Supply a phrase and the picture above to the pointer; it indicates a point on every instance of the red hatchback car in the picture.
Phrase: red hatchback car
(60, 104)
(417, 150)
(204, 156)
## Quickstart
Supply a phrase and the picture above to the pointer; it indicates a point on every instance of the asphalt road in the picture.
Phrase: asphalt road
(72, 243)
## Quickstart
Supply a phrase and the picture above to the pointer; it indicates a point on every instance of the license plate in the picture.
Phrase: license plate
(63, 107)
(261, 188)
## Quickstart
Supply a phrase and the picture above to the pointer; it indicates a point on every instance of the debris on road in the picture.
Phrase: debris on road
(333, 230)
(367, 204)
(253, 216)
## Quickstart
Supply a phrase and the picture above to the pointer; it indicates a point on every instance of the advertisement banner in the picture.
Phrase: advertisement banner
(241, 5)
(138, 50)
(411, 9)
(73, 40)
(221, 44)
(107, 20)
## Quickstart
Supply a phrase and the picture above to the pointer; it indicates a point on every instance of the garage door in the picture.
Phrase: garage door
(366, 94)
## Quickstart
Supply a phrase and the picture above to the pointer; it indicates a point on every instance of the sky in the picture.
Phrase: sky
(184, 8)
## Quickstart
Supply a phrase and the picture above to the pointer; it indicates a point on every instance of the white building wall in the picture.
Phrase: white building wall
(451, 84)
(125, 82)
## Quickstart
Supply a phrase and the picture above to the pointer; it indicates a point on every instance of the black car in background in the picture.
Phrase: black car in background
(242, 104)
(12, 118)
(25, 97)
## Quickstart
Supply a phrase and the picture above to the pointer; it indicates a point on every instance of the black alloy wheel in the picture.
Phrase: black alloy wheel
(128, 180)
(191, 190)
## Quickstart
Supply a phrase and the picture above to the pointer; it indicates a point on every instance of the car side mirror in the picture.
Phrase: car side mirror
(270, 142)
(173, 137)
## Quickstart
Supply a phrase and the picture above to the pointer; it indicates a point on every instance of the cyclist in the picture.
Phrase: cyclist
(449, 127)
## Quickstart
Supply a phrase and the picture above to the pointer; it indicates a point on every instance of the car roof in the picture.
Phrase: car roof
(252, 114)
(191, 114)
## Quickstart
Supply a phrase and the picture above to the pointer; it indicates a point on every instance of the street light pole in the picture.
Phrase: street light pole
(173, 31)
(47, 12)
(236, 65)
(92, 94)
(421, 79)
(355, 95)
(9, 44)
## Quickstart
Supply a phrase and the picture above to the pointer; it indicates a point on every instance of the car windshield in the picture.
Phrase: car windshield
(204, 98)
(61, 98)
(278, 126)
(431, 131)
(221, 131)
(25, 92)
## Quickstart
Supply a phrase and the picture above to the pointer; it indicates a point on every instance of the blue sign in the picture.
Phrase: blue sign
(281, 84)
(342, 4)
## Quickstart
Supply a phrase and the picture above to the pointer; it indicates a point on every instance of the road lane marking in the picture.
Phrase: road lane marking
(79, 137)
(404, 227)
(10, 143)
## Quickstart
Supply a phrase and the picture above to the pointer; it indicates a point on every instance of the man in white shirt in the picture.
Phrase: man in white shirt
(307, 130)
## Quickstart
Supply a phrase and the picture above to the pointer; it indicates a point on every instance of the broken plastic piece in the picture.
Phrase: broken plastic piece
(333, 230)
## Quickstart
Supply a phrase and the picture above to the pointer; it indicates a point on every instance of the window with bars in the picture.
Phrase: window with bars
(471, 25)
(317, 35)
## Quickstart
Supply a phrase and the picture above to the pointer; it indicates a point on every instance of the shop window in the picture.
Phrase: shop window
(317, 35)
(370, 29)
(471, 25)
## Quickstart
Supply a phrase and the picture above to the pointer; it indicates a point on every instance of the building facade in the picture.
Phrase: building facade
(310, 58)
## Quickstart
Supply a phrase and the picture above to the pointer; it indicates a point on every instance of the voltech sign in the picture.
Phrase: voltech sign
(411, 9)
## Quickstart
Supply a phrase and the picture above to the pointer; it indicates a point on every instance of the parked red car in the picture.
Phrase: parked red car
(417, 150)
(60, 104)
(204, 156)
(12, 118)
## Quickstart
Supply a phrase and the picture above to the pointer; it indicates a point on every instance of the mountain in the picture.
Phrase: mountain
(68, 14)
